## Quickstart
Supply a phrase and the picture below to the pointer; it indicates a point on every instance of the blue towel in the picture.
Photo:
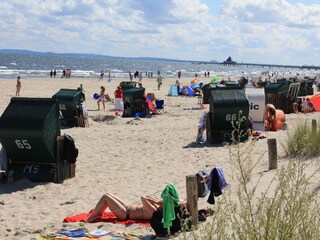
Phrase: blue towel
(72, 233)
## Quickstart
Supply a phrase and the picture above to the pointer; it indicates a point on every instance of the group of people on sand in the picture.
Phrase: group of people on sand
(66, 73)
(104, 97)
(102, 75)
(206, 74)
(53, 73)
(307, 105)
(270, 115)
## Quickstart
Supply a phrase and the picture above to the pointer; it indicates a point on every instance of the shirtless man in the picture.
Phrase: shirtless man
(270, 116)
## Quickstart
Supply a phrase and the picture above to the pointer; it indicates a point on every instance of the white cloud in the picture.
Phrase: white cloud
(188, 10)
(264, 30)
(275, 11)
(248, 30)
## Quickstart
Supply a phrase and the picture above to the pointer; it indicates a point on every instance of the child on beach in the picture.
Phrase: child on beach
(102, 98)
(159, 81)
(304, 105)
(83, 95)
(118, 103)
(177, 84)
(202, 127)
(18, 86)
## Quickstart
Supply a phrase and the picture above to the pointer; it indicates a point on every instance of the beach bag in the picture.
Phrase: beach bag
(203, 179)
(70, 152)
(156, 222)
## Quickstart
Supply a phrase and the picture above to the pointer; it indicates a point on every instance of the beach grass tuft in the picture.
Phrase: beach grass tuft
(303, 142)
(287, 209)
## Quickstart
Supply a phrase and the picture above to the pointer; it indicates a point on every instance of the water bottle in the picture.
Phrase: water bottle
(10, 176)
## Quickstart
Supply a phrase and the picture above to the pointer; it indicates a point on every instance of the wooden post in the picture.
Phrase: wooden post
(314, 126)
(272, 150)
(192, 198)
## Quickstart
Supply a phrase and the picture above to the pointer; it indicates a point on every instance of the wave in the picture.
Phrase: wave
(9, 72)
(116, 70)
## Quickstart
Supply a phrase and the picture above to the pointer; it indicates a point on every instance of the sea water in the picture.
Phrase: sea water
(39, 65)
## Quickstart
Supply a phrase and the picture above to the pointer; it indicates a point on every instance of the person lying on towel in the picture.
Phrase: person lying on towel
(124, 211)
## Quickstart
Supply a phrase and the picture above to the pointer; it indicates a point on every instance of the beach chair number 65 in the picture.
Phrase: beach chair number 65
(22, 144)
(231, 117)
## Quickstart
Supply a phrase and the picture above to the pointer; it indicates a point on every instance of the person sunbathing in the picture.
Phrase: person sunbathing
(124, 211)
(310, 107)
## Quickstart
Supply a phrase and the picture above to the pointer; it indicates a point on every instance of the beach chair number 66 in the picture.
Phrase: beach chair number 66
(62, 107)
(22, 144)
(231, 117)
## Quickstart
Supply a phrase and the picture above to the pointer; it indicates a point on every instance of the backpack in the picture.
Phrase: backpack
(156, 222)
(203, 179)
(70, 152)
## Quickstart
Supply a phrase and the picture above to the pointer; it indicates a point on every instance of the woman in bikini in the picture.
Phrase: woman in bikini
(123, 211)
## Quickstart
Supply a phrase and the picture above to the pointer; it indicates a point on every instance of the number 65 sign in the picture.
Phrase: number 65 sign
(22, 144)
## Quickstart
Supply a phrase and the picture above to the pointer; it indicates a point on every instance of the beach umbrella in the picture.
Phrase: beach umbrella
(215, 79)
(316, 102)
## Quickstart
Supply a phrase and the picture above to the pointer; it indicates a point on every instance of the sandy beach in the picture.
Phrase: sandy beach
(126, 157)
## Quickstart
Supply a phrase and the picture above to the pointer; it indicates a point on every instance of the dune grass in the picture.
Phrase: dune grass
(287, 209)
(303, 141)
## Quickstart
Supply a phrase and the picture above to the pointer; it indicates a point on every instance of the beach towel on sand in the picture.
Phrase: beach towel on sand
(106, 217)
(64, 234)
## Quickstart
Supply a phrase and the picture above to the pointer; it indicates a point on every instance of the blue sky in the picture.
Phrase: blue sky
(260, 31)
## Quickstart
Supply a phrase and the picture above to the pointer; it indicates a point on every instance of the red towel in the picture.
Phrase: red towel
(106, 217)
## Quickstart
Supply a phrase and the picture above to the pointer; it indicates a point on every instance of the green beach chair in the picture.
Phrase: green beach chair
(30, 135)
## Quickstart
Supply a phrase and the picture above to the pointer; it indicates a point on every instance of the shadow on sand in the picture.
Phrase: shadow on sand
(202, 145)
(18, 185)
